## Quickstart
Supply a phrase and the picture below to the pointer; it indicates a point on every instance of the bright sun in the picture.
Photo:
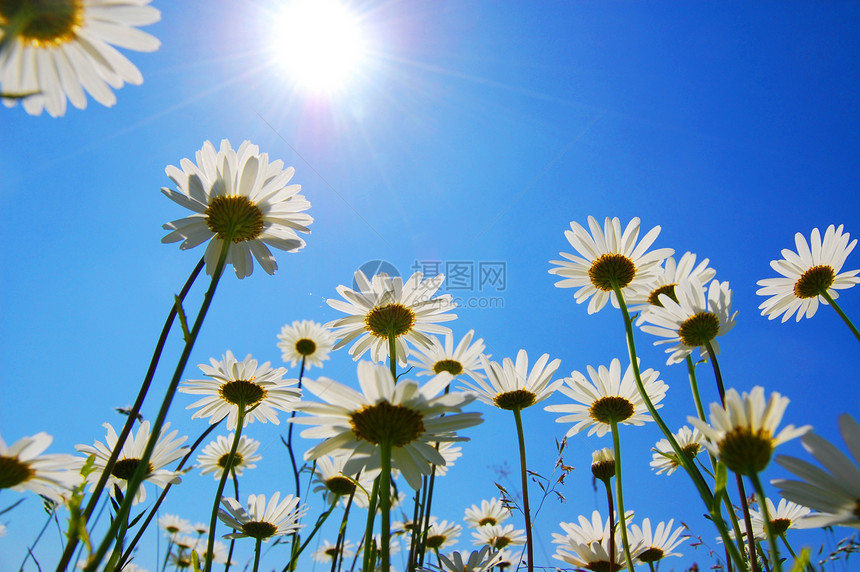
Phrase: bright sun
(320, 44)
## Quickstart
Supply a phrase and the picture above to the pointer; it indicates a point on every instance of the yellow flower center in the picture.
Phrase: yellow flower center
(746, 452)
(234, 216)
(517, 399)
(652, 554)
(814, 281)
(305, 347)
(237, 460)
(435, 541)
(340, 485)
(392, 320)
(124, 468)
(259, 529)
(451, 366)
(487, 521)
(667, 289)
(383, 422)
(611, 269)
(499, 542)
(243, 392)
(43, 23)
(13, 472)
(699, 329)
(611, 409)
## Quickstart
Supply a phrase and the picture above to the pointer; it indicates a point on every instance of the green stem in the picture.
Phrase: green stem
(132, 416)
(385, 502)
(295, 534)
(525, 484)
(611, 520)
(685, 461)
(257, 554)
(787, 545)
(768, 525)
(694, 388)
(622, 517)
(826, 295)
(228, 468)
(368, 529)
(341, 535)
(392, 357)
(138, 476)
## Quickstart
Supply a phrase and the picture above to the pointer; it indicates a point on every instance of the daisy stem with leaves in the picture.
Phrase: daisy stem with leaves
(768, 525)
(832, 302)
(683, 459)
(525, 485)
(622, 517)
(228, 468)
(139, 473)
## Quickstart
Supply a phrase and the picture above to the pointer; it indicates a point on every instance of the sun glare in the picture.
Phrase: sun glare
(320, 44)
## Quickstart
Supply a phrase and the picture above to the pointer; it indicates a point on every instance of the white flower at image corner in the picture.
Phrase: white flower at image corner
(59, 50)
(693, 321)
(743, 434)
(511, 385)
(167, 449)
(23, 467)
(834, 490)
(441, 356)
(261, 520)
(386, 307)
(410, 416)
(241, 195)
(213, 458)
(305, 340)
(805, 274)
(665, 460)
(260, 389)
(607, 397)
(672, 274)
(783, 516)
(655, 544)
(609, 256)
(489, 513)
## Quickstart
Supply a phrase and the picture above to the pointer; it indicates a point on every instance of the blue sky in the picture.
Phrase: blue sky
(473, 133)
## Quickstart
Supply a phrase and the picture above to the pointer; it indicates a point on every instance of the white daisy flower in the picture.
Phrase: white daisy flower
(328, 551)
(833, 490)
(442, 534)
(608, 257)
(241, 196)
(498, 536)
(783, 516)
(261, 390)
(512, 386)
(606, 398)
(305, 340)
(167, 449)
(213, 458)
(586, 544)
(804, 275)
(412, 417)
(330, 479)
(692, 321)
(489, 513)
(654, 545)
(173, 525)
(440, 356)
(603, 464)
(23, 467)
(261, 520)
(387, 307)
(664, 459)
(670, 275)
(743, 433)
(51, 51)
(586, 531)
(450, 452)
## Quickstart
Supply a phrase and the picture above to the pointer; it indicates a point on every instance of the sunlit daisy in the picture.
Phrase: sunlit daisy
(305, 340)
(328, 551)
(743, 433)
(237, 195)
(167, 449)
(606, 257)
(213, 458)
(586, 544)
(220, 553)
(693, 321)
(664, 459)
(51, 51)
(441, 356)
(200, 528)
(654, 545)
(804, 275)
(498, 536)
(508, 559)
(261, 390)
(442, 534)
(330, 479)
(833, 490)
(783, 516)
(410, 416)
(585, 530)
(603, 464)
(607, 398)
(512, 386)
(670, 275)
(490, 512)
(450, 452)
(387, 307)
(186, 542)
(23, 467)
(262, 521)
(173, 525)
(482, 560)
